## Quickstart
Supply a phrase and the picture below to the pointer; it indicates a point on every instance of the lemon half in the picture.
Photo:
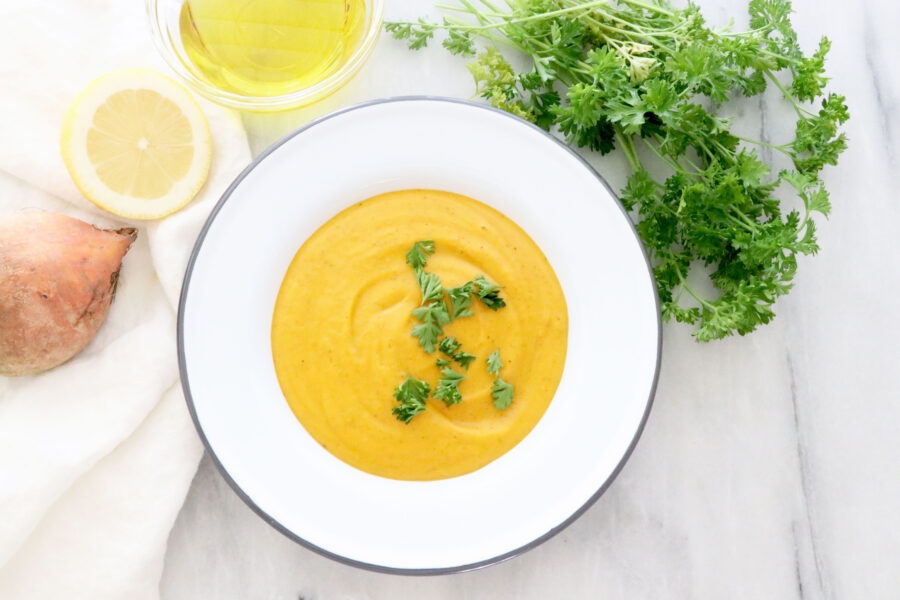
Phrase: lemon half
(136, 144)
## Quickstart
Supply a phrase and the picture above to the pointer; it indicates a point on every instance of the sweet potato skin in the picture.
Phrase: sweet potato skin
(57, 279)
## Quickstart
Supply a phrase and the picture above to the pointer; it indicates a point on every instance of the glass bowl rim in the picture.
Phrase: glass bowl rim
(294, 99)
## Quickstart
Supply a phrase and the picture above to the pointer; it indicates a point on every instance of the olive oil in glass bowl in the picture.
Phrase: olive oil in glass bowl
(265, 55)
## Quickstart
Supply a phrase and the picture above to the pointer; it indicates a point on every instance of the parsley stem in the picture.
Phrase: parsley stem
(673, 164)
(505, 20)
(535, 17)
(726, 153)
(676, 165)
(753, 224)
(626, 143)
(698, 143)
(638, 33)
(704, 303)
(788, 96)
(651, 7)
(497, 39)
(479, 15)
(779, 56)
(740, 223)
(782, 148)
(644, 38)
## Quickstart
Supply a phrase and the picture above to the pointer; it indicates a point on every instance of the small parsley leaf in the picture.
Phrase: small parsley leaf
(417, 34)
(502, 393)
(494, 363)
(411, 395)
(432, 320)
(489, 293)
(447, 390)
(417, 257)
(460, 42)
(450, 346)
(461, 301)
(464, 359)
(430, 284)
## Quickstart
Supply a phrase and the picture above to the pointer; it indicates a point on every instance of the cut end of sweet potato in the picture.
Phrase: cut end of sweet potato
(129, 232)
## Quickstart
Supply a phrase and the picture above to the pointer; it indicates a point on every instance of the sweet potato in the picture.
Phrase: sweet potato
(57, 279)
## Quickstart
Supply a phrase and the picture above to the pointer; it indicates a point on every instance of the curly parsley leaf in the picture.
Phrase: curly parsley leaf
(502, 393)
(494, 364)
(447, 390)
(416, 34)
(459, 42)
(411, 394)
(431, 287)
(488, 293)
(417, 257)
(450, 347)
(460, 301)
(432, 320)
(464, 359)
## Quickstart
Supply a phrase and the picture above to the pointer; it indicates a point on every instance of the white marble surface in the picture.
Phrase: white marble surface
(769, 467)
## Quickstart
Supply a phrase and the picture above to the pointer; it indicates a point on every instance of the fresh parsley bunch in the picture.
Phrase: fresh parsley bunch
(642, 74)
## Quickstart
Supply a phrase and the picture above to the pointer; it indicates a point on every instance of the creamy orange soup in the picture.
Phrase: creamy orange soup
(341, 334)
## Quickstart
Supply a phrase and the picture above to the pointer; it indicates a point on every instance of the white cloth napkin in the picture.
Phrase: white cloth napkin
(96, 455)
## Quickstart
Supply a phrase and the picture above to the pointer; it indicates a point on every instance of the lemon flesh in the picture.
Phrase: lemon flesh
(136, 144)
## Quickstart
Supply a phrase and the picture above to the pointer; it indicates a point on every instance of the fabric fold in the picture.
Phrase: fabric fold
(96, 455)
(103, 542)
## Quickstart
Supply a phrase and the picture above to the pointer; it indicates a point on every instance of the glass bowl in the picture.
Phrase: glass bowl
(164, 25)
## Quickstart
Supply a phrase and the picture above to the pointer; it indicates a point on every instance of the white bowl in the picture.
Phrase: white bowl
(526, 495)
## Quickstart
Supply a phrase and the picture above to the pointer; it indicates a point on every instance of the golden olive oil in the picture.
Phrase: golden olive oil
(269, 47)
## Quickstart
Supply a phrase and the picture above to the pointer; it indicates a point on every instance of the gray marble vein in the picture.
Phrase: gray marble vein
(770, 466)
(885, 105)
(804, 532)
